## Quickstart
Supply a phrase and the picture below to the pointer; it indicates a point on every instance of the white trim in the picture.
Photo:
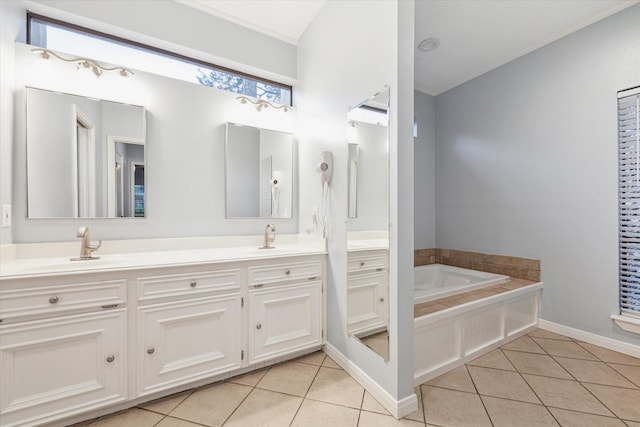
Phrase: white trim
(609, 343)
(397, 408)
(629, 92)
(628, 323)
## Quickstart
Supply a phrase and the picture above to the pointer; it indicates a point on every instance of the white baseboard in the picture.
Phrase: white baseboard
(611, 344)
(397, 408)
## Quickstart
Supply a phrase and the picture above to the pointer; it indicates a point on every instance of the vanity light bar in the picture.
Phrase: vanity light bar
(261, 103)
(83, 63)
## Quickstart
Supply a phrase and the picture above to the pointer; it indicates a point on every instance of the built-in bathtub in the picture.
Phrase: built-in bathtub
(450, 337)
(438, 281)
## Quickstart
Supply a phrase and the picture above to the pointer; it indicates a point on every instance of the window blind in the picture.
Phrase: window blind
(629, 200)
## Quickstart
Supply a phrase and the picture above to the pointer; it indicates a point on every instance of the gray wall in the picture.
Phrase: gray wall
(342, 61)
(424, 171)
(526, 165)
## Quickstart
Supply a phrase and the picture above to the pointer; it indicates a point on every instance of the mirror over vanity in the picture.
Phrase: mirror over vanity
(85, 157)
(259, 172)
(368, 223)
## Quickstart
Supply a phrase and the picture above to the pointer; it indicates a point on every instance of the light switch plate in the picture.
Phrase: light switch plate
(6, 216)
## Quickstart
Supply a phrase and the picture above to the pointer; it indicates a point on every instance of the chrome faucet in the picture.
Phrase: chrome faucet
(86, 248)
(269, 236)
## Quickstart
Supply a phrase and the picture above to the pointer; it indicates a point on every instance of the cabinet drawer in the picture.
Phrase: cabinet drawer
(60, 299)
(152, 288)
(279, 272)
(369, 262)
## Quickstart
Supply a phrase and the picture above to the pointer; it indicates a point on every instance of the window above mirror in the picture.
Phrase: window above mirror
(60, 36)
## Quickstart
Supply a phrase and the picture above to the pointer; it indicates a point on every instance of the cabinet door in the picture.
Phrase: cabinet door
(367, 302)
(283, 319)
(63, 366)
(184, 341)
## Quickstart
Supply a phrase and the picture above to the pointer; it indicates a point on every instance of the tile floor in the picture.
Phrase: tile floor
(540, 379)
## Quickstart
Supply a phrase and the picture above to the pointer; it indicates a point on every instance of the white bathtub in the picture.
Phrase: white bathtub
(437, 281)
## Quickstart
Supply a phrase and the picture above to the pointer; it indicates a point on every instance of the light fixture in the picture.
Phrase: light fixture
(427, 45)
(96, 68)
(262, 104)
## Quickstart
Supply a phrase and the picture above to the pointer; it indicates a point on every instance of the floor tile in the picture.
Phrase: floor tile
(418, 415)
(313, 359)
(330, 363)
(453, 408)
(594, 372)
(509, 413)
(564, 349)
(580, 419)
(624, 402)
(541, 333)
(565, 394)
(505, 384)
(166, 404)
(494, 359)
(289, 378)
(456, 379)
(250, 378)
(537, 364)
(632, 423)
(320, 414)
(175, 422)
(212, 405)
(265, 409)
(631, 372)
(369, 403)
(524, 343)
(131, 417)
(371, 419)
(378, 343)
(610, 356)
(336, 386)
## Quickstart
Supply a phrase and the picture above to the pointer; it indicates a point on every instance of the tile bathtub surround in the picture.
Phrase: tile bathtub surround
(519, 268)
(531, 381)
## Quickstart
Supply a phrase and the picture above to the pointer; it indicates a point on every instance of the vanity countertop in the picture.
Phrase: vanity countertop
(367, 245)
(34, 266)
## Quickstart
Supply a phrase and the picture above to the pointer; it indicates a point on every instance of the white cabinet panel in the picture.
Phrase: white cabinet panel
(61, 366)
(367, 302)
(283, 319)
(187, 340)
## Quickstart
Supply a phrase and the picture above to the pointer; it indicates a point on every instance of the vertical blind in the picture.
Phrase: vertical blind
(629, 200)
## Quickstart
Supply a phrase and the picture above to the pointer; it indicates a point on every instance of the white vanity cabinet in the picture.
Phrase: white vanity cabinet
(189, 328)
(367, 289)
(285, 315)
(62, 350)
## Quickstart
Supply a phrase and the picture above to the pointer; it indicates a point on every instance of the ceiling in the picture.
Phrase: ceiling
(475, 36)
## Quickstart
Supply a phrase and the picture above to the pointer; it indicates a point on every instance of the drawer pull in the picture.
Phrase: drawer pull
(109, 306)
(361, 263)
(379, 269)
(111, 358)
(258, 326)
(288, 272)
(53, 300)
(313, 278)
(193, 284)
(259, 285)
(151, 350)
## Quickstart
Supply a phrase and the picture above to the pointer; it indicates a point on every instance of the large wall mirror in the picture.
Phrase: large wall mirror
(85, 157)
(259, 165)
(368, 223)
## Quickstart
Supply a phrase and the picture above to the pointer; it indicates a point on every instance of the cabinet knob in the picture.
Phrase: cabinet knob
(53, 300)
(288, 272)
(381, 299)
(151, 350)
(111, 358)
(361, 263)
(193, 284)
(258, 326)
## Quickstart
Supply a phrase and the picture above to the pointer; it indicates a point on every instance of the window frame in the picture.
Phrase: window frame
(156, 50)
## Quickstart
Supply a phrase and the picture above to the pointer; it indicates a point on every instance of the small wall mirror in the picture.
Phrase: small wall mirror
(368, 224)
(85, 157)
(259, 172)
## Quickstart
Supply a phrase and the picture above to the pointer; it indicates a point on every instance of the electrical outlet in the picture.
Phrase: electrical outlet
(6, 215)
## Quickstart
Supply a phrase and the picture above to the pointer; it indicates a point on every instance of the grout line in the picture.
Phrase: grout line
(477, 393)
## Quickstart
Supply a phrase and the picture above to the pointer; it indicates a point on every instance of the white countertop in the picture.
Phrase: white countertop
(367, 245)
(31, 265)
